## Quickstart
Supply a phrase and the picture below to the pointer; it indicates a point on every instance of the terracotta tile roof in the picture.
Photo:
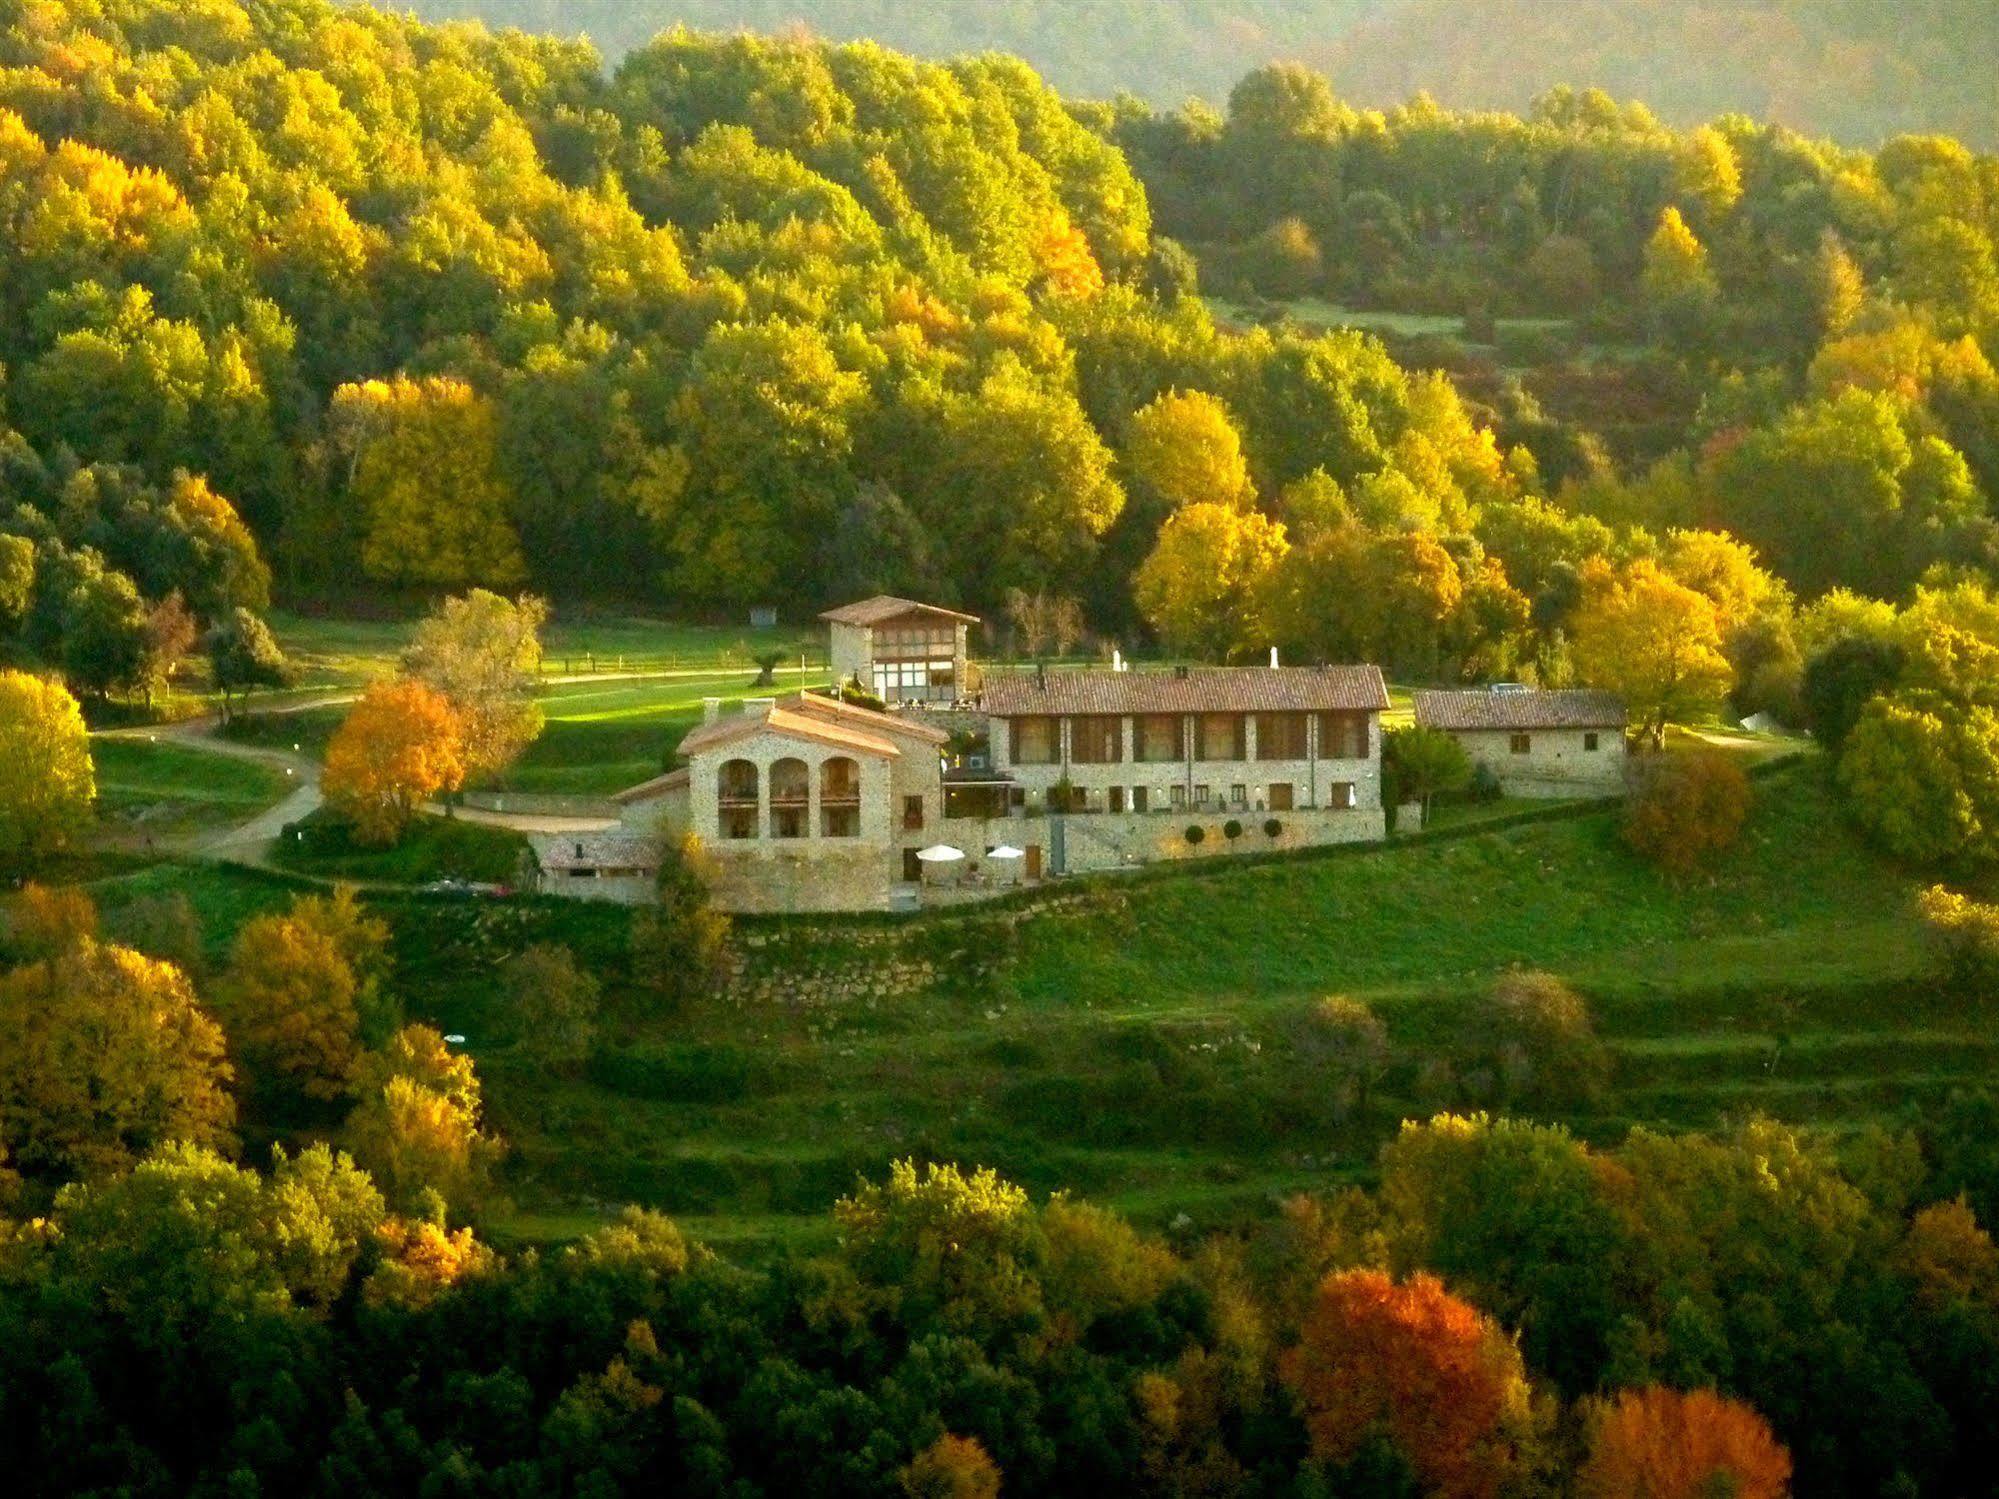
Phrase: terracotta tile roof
(886, 606)
(788, 719)
(867, 719)
(1481, 708)
(1198, 689)
(562, 852)
(673, 780)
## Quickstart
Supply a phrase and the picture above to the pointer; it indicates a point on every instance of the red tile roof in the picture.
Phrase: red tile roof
(1198, 689)
(823, 720)
(886, 606)
(1482, 708)
(673, 780)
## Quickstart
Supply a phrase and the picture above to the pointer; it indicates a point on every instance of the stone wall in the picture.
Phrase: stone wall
(1556, 763)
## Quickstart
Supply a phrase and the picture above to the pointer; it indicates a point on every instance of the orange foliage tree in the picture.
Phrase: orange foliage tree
(1414, 1365)
(299, 987)
(401, 745)
(952, 1467)
(1668, 1444)
(1687, 810)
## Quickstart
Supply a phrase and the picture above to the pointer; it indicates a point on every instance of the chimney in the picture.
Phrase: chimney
(1273, 658)
(1117, 659)
(1041, 675)
(711, 709)
(1180, 672)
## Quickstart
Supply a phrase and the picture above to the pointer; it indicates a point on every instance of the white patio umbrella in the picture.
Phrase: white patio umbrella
(940, 853)
(1007, 851)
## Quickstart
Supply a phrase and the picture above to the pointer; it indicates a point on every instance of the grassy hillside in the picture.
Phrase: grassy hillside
(1136, 1040)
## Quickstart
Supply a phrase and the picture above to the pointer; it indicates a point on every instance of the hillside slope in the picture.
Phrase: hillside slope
(1846, 68)
(1852, 69)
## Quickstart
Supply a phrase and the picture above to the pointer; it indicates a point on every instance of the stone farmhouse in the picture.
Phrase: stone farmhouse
(1537, 744)
(810, 803)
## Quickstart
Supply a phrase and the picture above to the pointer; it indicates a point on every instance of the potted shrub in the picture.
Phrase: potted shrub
(1272, 827)
(1231, 830)
(1196, 833)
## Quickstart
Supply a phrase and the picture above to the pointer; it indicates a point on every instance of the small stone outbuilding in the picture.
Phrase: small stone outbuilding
(1537, 743)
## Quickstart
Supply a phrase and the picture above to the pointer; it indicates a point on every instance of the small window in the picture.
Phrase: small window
(1179, 798)
(1341, 794)
(1239, 796)
(1203, 795)
(1117, 798)
(912, 814)
(1589, 743)
(1522, 744)
(1138, 798)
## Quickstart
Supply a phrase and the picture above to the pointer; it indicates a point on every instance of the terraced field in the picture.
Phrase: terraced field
(1137, 1040)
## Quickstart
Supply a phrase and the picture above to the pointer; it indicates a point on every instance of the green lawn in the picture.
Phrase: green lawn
(344, 652)
(1133, 1039)
(434, 848)
(168, 790)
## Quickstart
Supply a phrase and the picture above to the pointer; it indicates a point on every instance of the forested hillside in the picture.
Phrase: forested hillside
(1857, 70)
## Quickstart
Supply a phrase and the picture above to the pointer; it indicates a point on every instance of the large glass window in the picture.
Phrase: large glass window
(919, 640)
(840, 798)
(1343, 736)
(790, 798)
(1096, 739)
(1158, 738)
(736, 798)
(1218, 736)
(1034, 741)
(1281, 736)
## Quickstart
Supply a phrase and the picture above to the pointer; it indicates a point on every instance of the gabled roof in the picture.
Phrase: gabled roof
(560, 852)
(886, 606)
(866, 719)
(1480, 708)
(1197, 689)
(788, 718)
(645, 791)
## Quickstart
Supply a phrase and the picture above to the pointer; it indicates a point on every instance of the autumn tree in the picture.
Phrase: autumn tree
(398, 747)
(417, 1128)
(1184, 449)
(1676, 262)
(104, 1053)
(1670, 1444)
(47, 781)
(1197, 587)
(952, 1467)
(554, 1003)
(681, 941)
(1654, 642)
(483, 654)
(1348, 1041)
(1422, 763)
(1687, 810)
(243, 655)
(43, 921)
(1411, 1365)
(1537, 1034)
(422, 465)
(1922, 775)
(1965, 935)
(303, 993)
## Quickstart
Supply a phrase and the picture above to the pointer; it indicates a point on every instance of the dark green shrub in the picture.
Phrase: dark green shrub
(1196, 833)
(1231, 829)
(1272, 827)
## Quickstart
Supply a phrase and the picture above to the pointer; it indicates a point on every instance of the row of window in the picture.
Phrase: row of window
(1162, 738)
(1276, 796)
(1523, 744)
(896, 642)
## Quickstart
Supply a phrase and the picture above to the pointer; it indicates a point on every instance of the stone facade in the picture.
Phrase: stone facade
(1549, 762)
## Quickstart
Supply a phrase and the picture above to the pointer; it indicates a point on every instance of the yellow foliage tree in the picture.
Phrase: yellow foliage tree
(400, 745)
(483, 652)
(1062, 254)
(1185, 448)
(952, 1467)
(45, 920)
(47, 781)
(1676, 263)
(1208, 564)
(421, 1259)
(423, 463)
(104, 1054)
(1653, 641)
(294, 994)
(416, 1128)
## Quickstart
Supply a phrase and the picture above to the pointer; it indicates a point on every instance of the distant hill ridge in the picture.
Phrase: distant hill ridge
(1858, 70)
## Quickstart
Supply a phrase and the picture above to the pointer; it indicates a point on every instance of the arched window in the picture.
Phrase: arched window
(790, 798)
(736, 799)
(840, 798)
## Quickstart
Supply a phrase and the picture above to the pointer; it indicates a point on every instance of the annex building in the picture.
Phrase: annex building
(1536, 743)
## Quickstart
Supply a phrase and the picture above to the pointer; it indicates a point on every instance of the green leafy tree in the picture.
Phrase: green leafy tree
(1422, 763)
